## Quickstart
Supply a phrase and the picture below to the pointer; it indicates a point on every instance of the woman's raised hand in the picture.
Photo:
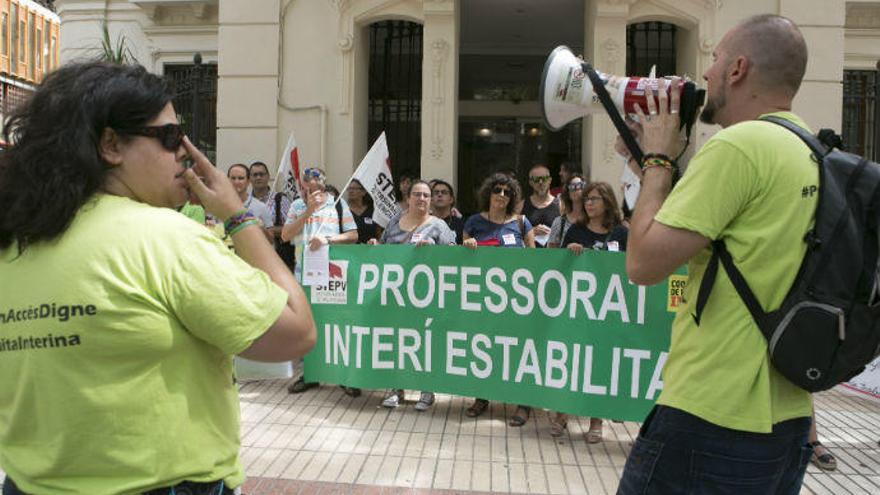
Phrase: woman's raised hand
(209, 186)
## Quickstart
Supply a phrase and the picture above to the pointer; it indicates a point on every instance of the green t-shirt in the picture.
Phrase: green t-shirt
(116, 344)
(752, 185)
(194, 212)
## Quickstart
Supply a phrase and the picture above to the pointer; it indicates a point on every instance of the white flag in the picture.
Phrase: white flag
(374, 173)
(287, 177)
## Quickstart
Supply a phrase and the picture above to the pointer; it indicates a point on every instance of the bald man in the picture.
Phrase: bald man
(726, 420)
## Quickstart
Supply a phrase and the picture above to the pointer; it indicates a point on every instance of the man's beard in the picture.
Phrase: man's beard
(707, 116)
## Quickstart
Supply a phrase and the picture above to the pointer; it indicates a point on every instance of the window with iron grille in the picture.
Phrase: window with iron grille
(860, 112)
(650, 43)
(395, 92)
(11, 96)
(185, 79)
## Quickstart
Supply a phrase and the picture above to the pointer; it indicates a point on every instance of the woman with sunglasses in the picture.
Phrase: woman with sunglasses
(127, 313)
(498, 224)
(415, 226)
(600, 229)
(573, 206)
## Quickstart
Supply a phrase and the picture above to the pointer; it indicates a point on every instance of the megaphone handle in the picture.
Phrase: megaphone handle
(599, 88)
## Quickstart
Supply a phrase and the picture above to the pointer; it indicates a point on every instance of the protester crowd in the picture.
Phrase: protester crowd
(584, 216)
(576, 215)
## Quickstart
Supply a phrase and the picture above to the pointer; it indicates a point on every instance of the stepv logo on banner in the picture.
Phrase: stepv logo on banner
(336, 290)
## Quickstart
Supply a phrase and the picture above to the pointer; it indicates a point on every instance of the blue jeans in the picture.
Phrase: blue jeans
(679, 453)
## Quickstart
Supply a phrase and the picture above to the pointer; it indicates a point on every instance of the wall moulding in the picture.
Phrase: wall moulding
(862, 16)
(354, 15)
(439, 55)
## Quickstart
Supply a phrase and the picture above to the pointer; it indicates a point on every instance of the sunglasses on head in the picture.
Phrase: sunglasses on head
(576, 186)
(312, 173)
(503, 191)
(170, 136)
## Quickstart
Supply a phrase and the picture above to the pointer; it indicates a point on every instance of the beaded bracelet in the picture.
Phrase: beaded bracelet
(235, 219)
(658, 161)
(247, 223)
(657, 155)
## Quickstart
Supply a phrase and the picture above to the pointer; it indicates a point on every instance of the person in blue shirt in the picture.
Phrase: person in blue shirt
(498, 224)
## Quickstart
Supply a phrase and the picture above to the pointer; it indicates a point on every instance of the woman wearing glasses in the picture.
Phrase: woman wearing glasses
(122, 381)
(600, 229)
(418, 227)
(361, 205)
(497, 224)
(573, 204)
(541, 207)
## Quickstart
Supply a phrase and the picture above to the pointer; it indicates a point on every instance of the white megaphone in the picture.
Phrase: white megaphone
(567, 93)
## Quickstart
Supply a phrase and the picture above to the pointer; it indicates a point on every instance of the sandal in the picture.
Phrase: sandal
(594, 435)
(518, 419)
(826, 461)
(558, 425)
(477, 408)
(300, 386)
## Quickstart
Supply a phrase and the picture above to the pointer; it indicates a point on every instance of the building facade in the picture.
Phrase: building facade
(453, 83)
(29, 49)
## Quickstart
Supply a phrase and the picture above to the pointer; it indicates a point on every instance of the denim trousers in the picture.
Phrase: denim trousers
(184, 488)
(679, 453)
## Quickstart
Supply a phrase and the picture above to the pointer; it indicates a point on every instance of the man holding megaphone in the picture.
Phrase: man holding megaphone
(726, 421)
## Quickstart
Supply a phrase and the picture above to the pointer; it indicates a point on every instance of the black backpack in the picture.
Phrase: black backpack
(828, 326)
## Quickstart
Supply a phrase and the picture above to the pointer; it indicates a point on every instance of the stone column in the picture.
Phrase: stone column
(440, 90)
(247, 86)
(606, 48)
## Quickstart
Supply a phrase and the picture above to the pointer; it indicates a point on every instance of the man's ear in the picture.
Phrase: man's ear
(738, 69)
(109, 147)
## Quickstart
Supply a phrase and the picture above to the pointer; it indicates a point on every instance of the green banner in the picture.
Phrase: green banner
(544, 327)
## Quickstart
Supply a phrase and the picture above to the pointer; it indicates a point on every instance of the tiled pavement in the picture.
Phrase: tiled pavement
(324, 442)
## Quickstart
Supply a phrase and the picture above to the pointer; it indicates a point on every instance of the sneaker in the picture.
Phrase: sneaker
(395, 397)
(426, 400)
(300, 386)
(351, 391)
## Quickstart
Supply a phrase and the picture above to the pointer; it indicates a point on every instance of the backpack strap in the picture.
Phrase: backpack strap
(339, 214)
(278, 209)
(562, 229)
(719, 252)
(816, 146)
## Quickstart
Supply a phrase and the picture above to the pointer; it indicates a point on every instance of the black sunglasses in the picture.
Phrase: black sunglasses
(169, 135)
(503, 191)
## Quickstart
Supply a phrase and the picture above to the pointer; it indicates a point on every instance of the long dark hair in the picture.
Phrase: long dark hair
(565, 196)
(53, 165)
(611, 216)
(368, 200)
(499, 179)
